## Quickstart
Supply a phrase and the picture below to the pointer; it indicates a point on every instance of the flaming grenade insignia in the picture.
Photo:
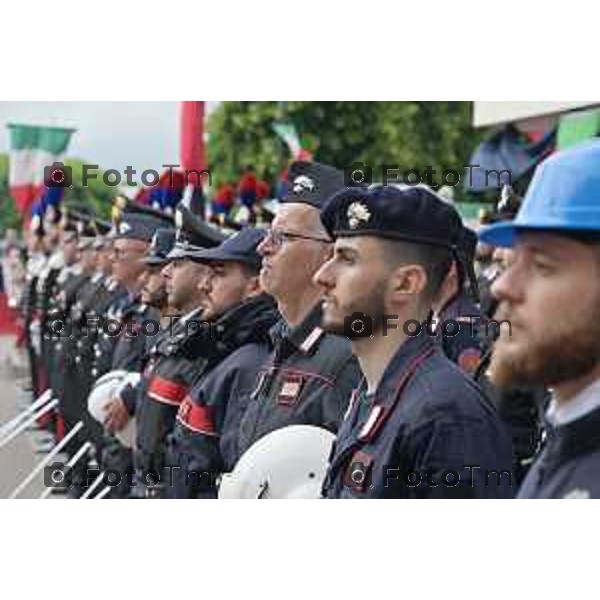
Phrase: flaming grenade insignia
(302, 183)
(357, 213)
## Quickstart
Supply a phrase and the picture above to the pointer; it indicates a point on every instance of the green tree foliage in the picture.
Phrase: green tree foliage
(409, 134)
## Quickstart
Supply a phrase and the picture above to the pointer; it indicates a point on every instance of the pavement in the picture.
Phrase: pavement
(20, 456)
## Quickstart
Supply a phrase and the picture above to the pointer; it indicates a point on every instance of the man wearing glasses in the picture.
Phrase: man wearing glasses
(309, 375)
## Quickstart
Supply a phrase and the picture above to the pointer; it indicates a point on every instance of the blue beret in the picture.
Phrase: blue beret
(409, 213)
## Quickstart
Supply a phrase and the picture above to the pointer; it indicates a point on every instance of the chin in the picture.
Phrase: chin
(263, 276)
(207, 314)
(332, 325)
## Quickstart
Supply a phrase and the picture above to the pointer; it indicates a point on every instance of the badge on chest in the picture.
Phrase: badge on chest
(290, 390)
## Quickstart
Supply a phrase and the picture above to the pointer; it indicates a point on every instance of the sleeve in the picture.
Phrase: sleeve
(460, 458)
(465, 348)
(196, 445)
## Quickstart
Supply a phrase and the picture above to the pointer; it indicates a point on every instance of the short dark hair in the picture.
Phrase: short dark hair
(435, 260)
(249, 270)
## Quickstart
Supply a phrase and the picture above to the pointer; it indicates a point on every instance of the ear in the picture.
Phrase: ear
(407, 281)
(253, 287)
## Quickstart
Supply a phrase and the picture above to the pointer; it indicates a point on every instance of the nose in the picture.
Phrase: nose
(266, 246)
(204, 284)
(143, 278)
(508, 286)
(167, 270)
(324, 277)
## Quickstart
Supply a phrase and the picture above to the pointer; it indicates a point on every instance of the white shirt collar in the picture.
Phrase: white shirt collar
(580, 405)
(189, 315)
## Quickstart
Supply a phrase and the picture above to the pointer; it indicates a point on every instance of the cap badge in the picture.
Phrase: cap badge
(357, 213)
(302, 183)
(124, 227)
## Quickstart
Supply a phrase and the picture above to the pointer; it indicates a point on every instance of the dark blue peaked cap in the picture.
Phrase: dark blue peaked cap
(240, 247)
(193, 234)
(413, 214)
(139, 222)
(162, 243)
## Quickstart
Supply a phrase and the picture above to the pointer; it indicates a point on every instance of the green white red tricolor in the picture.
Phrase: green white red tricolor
(31, 149)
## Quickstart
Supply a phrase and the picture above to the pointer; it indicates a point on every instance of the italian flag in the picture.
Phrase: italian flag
(31, 149)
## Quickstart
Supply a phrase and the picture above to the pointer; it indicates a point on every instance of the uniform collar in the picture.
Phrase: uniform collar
(580, 405)
(304, 337)
(410, 348)
(460, 306)
(74, 269)
(112, 284)
(190, 315)
(573, 439)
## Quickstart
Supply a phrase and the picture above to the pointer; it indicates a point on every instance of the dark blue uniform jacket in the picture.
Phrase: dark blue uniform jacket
(429, 432)
(569, 464)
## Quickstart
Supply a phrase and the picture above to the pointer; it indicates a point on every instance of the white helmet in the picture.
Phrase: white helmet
(104, 389)
(290, 462)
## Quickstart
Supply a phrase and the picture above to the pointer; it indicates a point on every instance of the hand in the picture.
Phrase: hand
(116, 415)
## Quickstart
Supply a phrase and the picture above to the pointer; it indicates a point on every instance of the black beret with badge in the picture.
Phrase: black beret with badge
(312, 183)
(407, 213)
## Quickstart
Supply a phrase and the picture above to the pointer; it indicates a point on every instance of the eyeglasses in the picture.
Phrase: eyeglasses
(278, 237)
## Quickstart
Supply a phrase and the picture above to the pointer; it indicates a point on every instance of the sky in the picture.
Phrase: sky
(113, 135)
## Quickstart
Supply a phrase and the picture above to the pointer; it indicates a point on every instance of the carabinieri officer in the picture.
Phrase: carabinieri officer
(417, 426)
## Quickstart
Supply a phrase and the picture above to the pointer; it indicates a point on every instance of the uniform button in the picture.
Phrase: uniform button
(94, 372)
(98, 353)
(77, 360)
(80, 344)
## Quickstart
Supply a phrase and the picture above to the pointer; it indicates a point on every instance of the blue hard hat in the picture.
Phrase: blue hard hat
(564, 195)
